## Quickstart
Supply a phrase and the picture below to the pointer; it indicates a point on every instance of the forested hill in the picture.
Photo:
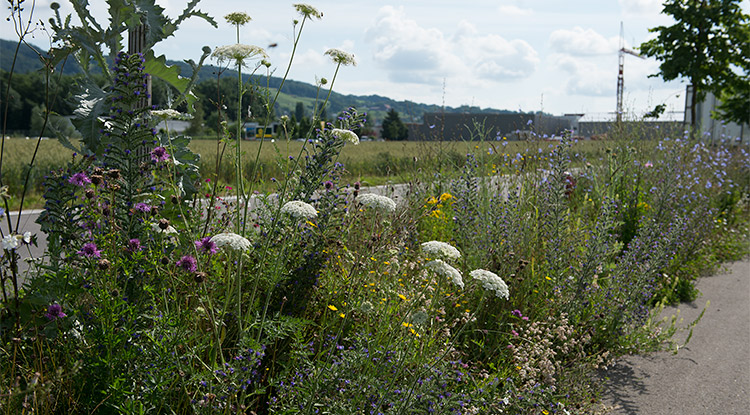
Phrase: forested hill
(293, 91)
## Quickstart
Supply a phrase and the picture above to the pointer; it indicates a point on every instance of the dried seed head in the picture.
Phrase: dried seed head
(103, 264)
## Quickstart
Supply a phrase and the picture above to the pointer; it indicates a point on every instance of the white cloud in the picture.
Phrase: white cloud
(412, 53)
(514, 11)
(641, 7)
(582, 42)
(587, 78)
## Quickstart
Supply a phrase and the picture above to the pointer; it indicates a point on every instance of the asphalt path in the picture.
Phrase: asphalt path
(711, 374)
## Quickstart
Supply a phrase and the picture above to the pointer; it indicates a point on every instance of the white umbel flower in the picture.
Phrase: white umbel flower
(299, 210)
(345, 135)
(490, 281)
(377, 202)
(167, 114)
(341, 57)
(238, 52)
(440, 250)
(231, 240)
(439, 267)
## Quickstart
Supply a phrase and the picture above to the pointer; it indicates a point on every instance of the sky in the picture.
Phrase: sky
(529, 55)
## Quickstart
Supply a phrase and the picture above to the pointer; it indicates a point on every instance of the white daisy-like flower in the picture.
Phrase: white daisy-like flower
(231, 240)
(377, 202)
(440, 250)
(10, 242)
(345, 135)
(299, 210)
(27, 237)
(490, 281)
(238, 52)
(308, 11)
(341, 57)
(439, 267)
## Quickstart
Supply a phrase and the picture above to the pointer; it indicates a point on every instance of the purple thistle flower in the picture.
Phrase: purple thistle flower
(206, 245)
(90, 250)
(159, 154)
(134, 245)
(143, 207)
(79, 179)
(54, 311)
(517, 313)
(188, 263)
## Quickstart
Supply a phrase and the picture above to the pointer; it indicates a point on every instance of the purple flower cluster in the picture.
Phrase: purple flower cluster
(89, 250)
(188, 263)
(159, 154)
(206, 246)
(79, 179)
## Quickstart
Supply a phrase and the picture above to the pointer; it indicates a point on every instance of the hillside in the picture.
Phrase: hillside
(293, 91)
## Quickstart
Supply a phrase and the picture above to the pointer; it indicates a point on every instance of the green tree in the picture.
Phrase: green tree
(708, 44)
(393, 128)
(299, 110)
(735, 102)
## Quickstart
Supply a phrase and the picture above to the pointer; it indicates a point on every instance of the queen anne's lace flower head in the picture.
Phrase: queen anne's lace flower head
(238, 52)
(490, 281)
(341, 57)
(238, 18)
(440, 250)
(308, 11)
(439, 267)
(345, 135)
(299, 210)
(167, 114)
(377, 202)
(231, 240)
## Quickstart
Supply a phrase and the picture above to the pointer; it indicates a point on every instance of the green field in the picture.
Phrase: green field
(371, 163)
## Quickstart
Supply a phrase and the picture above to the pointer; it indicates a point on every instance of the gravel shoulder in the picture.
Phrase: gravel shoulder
(711, 375)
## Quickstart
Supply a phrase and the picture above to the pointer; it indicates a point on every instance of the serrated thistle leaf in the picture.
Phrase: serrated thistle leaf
(157, 66)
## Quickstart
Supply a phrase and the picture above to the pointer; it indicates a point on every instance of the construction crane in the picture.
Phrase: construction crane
(620, 77)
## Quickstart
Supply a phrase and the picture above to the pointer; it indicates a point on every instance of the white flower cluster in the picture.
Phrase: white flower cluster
(490, 281)
(238, 52)
(341, 57)
(345, 135)
(377, 202)
(299, 209)
(231, 240)
(440, 250)
(170, 114)
(169, 231)
(439, 267)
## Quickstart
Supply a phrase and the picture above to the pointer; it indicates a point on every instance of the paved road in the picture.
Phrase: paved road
(711, 375)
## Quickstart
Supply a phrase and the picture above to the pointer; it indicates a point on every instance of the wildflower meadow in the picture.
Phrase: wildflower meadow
(499, 284)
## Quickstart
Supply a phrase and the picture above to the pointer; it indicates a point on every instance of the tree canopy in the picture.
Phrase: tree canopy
(709, 45)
